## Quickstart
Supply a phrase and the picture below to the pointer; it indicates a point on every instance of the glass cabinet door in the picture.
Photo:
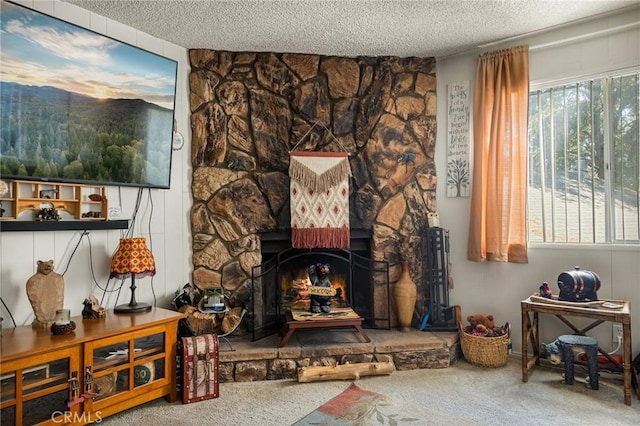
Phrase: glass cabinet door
(123, 363)
(149, 359)
(8, 398)
(45, 392)
(109, 374)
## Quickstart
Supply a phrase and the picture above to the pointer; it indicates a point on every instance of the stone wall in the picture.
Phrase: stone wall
(250, 109)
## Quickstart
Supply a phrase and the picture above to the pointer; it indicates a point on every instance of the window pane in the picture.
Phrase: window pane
(536, 170)
(574, 130)
(625, 158)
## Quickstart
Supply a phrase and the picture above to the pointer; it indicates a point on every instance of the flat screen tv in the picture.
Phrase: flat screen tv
(80, 107)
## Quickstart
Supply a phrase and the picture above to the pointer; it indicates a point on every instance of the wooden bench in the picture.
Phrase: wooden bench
(350, 319)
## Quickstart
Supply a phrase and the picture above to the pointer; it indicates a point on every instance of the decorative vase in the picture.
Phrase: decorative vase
(405, 294)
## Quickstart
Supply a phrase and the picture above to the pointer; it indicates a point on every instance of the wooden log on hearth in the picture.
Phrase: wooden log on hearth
(317, 373)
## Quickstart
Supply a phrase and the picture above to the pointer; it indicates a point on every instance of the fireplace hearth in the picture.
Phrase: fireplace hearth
(281, 281)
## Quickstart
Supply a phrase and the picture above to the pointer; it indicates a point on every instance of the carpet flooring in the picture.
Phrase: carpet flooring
(466, 393)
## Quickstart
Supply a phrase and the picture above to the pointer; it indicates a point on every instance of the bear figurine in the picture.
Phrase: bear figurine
(45, 291)
(319, 277)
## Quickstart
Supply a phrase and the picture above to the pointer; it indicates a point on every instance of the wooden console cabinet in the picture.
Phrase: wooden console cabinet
(105, 366)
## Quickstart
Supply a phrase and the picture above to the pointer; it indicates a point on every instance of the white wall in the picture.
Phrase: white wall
(498, 288)
(169, 226)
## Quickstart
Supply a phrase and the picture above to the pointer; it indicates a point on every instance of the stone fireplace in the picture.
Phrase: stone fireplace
(282, 280)
(248, 110)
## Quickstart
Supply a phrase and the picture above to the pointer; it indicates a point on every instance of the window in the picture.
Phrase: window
(584, 162)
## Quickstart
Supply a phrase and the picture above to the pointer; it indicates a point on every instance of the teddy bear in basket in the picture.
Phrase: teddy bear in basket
(483, 325)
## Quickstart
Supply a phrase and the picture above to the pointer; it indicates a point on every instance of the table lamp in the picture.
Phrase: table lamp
(133, 259)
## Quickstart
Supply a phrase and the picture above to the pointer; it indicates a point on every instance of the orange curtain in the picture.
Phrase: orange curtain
(497, 229)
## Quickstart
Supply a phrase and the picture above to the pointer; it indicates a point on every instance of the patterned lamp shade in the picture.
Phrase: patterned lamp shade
(133, 259)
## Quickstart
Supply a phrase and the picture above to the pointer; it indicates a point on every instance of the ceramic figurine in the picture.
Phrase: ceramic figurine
(92, 308)
(433, 219)
(45, 291)
(545, 290)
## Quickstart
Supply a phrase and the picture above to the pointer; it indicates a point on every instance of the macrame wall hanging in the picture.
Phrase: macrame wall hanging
(319, 185)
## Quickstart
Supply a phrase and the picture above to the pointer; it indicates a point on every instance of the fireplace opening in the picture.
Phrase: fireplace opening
(282, 282)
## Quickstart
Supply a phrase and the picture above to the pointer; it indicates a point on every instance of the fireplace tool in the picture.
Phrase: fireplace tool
(439, 315)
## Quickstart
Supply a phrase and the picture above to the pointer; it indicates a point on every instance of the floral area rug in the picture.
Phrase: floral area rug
(357, 406)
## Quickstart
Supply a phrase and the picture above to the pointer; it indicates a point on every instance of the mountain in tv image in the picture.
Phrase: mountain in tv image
(51, 133)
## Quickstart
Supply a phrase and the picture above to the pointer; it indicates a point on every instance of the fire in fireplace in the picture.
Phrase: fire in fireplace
(295, 286)
(282, 281)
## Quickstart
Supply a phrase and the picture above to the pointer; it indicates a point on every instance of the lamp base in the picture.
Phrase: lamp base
(132, 309)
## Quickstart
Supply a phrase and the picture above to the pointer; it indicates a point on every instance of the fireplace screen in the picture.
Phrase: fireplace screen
(282, 282)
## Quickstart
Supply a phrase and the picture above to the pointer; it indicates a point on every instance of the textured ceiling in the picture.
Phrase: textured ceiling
(347, 27)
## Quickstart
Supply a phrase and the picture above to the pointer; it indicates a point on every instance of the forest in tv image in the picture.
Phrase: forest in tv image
(51, 133)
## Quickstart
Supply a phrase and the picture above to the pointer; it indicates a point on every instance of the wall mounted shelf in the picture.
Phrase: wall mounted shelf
(80, 207)
(78, 201)
(62, 225)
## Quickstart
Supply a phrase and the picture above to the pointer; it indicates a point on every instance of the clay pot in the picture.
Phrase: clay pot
(405, 293)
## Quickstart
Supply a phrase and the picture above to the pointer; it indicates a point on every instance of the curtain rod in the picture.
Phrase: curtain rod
(582, 37)
(568, 40)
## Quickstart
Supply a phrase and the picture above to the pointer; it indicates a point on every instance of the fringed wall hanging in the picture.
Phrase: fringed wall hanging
(319, 184)
(319, 199)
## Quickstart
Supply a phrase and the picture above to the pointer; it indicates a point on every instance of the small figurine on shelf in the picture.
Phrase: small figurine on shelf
(48, 193)
(433, 219)
(545, 290)
(92, 308)
(48, 214)
(90, 214)
(1, 210)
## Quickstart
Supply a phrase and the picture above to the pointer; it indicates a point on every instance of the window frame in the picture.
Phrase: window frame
(542, 84)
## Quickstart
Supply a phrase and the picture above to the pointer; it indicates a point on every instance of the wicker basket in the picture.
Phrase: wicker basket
(484, 351)
(200, 323)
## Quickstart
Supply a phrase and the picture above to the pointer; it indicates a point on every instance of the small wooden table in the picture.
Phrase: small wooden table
(530, 332)
(293, 324)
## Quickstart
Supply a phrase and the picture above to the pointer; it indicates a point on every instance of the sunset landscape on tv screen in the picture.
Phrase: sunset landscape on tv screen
(77, 106)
